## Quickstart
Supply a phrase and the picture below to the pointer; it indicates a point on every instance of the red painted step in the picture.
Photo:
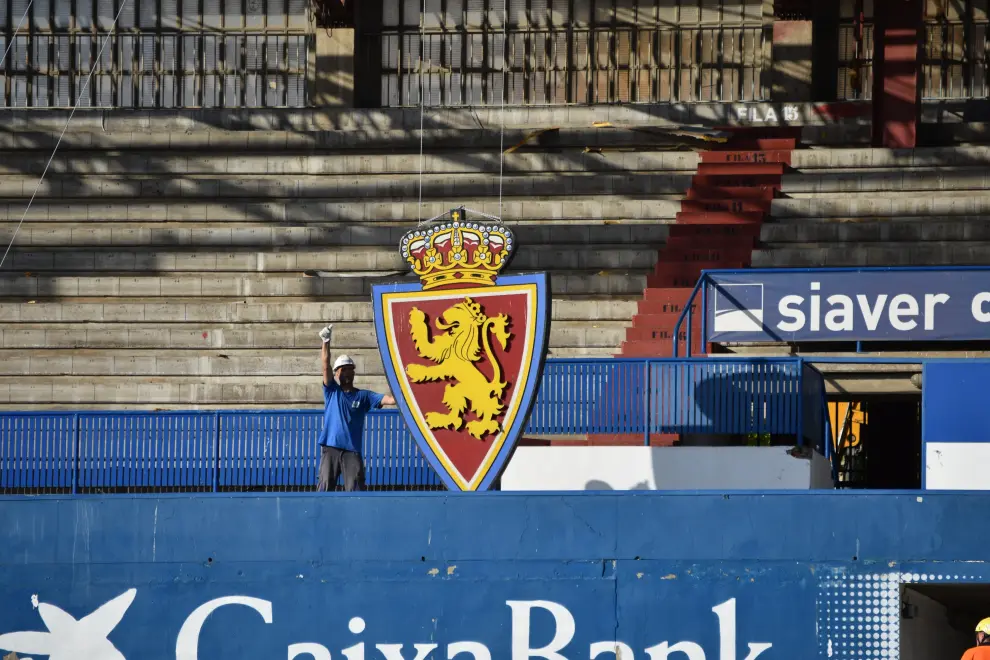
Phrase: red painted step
(722, 192)
(652, 320)
(741, 243)
(782, 156)
(714, 169)
(668, 295)
(758, 144)
(663, 334)
(731, 251)
(737, 180)
(719, 218)
(725, 205)
(709, 232)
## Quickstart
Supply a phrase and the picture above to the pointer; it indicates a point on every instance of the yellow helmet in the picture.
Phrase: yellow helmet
(984, 626)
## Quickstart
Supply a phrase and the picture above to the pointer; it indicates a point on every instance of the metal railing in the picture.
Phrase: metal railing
(276, 450)
(156, 70)
(553, 66)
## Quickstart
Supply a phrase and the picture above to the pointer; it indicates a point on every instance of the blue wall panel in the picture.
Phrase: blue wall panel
(955, 402)
(780, 569)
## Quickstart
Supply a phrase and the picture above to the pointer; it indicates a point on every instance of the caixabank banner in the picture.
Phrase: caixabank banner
(477, 577)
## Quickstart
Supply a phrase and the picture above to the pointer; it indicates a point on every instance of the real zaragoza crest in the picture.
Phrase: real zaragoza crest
(463, 352)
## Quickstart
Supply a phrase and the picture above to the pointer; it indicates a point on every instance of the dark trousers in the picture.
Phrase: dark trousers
(333, 461)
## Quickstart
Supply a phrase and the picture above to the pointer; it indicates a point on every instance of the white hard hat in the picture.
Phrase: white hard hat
(343, 361)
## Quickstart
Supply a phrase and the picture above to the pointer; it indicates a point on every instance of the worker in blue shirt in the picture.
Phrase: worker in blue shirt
(345, 408)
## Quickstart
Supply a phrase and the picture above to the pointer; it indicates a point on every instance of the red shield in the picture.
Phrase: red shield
(464, 364)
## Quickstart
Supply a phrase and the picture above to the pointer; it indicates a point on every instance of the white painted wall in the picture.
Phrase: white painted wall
(957, 466)
(663, 468)
(928, 635)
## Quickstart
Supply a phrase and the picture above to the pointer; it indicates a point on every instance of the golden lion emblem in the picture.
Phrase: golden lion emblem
(456, 351)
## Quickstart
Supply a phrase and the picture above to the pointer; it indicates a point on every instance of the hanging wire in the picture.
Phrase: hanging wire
(422, 51)
(501, 131)
(13, 37)
(64, 128)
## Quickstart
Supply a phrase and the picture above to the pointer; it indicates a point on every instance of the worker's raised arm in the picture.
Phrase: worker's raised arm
(325, 334)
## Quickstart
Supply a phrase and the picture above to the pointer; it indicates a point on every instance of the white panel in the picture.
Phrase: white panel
(411, 10)
(171, 20)
(40, 11)
(659, 468)
(234, 13)
(63, 12)
(957, 466)
(17, 9)
(211, 13)
(147, 12)
(276, 13)
(190, 13)
(297, 14)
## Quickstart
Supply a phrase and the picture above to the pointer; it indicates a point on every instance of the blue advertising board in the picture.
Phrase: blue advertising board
(722, 576)
(843, 304)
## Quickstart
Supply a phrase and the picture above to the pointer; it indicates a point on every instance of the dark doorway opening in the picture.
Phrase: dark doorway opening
(938, 620)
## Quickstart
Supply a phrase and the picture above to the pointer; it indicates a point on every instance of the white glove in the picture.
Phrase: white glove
(325, 333)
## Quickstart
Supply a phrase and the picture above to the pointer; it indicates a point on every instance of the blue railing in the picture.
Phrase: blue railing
(276, 449)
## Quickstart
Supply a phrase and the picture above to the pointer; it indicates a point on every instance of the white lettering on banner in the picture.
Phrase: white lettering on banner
(977, 307)
(187, 643)
(841, 313)
(68, 638)
(563, 628)
(394, 651)
(754, 114)
(316, 651)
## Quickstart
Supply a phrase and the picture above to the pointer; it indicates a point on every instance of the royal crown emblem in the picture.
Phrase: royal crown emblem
(457, 251)
(463, 348)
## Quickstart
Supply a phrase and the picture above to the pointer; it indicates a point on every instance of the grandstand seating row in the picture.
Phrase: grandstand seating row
(191, 267)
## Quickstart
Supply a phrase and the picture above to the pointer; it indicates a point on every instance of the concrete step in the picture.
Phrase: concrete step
(380, 185)
(281, 141)
(249, 364)
(916, 228)
(249, 285)
(865, 158)
(923, 253)
(886, 180)
(148, 391)
(366, 259)
(362, 121)
(206, 162)
(212, 336)
(326, 212)
(181, 392)
(906, 204)
(120, 234)
(207, 310)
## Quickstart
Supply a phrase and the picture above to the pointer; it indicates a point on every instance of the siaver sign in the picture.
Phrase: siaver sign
(869, 304)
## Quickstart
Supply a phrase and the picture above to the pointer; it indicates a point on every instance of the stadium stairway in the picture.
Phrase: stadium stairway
(717, 227)
(841, 207)
(183, 267)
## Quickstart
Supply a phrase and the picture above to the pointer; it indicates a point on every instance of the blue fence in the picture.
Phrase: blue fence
(87, 452)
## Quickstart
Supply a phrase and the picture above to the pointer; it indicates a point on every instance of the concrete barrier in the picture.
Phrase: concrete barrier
(511, 576)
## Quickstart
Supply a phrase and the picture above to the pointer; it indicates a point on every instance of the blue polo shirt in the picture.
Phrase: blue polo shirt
(343, 416)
